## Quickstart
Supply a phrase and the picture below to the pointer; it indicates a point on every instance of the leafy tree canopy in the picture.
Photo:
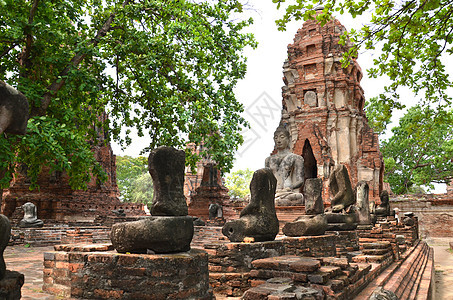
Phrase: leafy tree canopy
(143, 190)
(414, 37)
(238, 183)
(166, 68)
(420, 152)
(128, 169)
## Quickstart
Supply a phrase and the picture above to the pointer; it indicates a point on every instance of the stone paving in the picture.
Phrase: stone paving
(443, 264)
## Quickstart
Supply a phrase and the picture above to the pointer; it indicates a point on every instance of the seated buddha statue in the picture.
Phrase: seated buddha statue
(288, 168)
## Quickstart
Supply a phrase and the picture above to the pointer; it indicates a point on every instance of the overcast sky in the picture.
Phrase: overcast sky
(260, 90)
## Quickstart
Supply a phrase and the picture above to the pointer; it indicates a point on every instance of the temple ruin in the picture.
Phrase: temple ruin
(323, 108)
(56, 200)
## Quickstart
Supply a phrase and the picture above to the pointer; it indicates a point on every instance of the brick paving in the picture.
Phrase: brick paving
(29, 261)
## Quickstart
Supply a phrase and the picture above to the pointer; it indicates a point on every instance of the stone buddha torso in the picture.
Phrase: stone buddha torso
(288, 168)
(30, 216)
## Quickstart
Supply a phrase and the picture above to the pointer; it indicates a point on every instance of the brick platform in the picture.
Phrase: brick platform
(58, 235)
(230, 263)
(93, 272)
(334, 277)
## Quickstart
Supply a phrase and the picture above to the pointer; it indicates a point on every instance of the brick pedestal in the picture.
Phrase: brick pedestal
(230, 263)
(93, 272)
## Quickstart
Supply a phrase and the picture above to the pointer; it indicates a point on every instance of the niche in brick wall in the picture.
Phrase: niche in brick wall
(311, 49)
(311, 98)
(310, 165)
(310, 71)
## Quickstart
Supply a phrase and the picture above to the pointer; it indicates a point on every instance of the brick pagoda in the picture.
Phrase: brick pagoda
(323, 108)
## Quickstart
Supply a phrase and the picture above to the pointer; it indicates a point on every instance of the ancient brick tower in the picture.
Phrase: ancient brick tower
(205, 187)
(323, 108)
(55, 200)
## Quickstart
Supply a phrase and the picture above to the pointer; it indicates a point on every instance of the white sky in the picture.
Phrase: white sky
(263, 83)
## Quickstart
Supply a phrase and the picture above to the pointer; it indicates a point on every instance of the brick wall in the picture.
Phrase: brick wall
(230, 263)
(96, 273)
(59, 235)
(434, 212)
(56, 200)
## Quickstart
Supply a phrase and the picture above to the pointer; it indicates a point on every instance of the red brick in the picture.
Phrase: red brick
(106, 294)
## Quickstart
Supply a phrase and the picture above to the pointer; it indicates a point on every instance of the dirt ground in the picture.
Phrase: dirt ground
(443, 264)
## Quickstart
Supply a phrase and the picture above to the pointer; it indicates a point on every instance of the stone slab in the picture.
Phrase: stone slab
(84, 247)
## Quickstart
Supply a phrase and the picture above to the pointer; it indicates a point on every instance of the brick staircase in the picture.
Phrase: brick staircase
(374, 252)
(333, 277)
(409, 279)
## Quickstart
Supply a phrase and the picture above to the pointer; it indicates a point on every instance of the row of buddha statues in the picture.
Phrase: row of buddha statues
(282, 183)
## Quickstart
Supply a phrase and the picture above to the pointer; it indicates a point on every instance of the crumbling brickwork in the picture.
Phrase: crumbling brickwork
(323, 108)
(97, 272)
(57, 201)
(205, 187)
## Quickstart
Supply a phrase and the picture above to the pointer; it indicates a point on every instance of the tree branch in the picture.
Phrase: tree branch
(75, 61)
(7, 49)
(25, 55)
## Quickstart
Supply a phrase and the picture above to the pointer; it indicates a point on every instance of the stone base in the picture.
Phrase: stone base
(306, 225)
(160, 234)
(364, 227)
(110, 275)
(341, 226)
(341, 221)
(10, 285)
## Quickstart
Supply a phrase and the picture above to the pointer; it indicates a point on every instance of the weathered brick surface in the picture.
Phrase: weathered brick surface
(57, 235)
(240, 255)
(336, 282)
(110, 275)
(55, 200)
(236, 258)
(323, 108)
(434, 212)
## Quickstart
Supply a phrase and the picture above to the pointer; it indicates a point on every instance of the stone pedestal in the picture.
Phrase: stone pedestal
(306, 225)
(341, 221)
(94, 272)
(159, 234)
